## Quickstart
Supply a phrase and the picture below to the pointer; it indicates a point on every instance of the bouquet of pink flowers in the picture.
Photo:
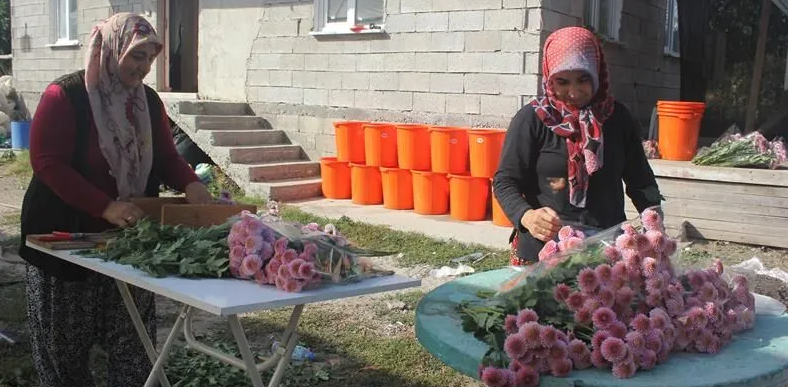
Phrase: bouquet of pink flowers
(294, 257)
(736, 150)
(618, 306)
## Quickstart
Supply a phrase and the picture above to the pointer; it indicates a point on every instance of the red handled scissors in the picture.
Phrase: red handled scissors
(59, 236)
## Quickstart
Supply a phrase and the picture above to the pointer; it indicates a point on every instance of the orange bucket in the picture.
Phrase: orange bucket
(335, 178)
(499, 218)
(484, 147)
(413, 147)
(469, 197)
(397, 188)
(449, 149)
(349, 137)
(380, 144)
(678, 135)
(430, 193)
(366, 185)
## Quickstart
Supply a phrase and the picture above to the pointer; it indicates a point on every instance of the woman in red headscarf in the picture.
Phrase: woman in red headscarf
(566, 153)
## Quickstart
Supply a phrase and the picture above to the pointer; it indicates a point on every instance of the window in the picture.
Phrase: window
(672, 28)
(604, 16)
(349, 16)
(65, 19)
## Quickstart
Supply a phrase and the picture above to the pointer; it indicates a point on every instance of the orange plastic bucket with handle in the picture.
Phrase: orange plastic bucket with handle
(413, 147)
(484, 147)
(366, 185)
(349, 137)
(499, 218)
(397, 188)
(449, 149)
(430, 193)
(380, 144)
(469, 197)
(678, 135)
(335, 178)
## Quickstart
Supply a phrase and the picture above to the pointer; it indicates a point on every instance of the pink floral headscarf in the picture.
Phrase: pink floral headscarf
(121, 115)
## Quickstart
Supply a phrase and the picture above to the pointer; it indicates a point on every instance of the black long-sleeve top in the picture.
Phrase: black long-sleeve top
(533, 173)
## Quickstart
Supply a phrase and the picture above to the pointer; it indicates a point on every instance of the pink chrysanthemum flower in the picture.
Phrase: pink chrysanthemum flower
(548, 336)
(655, 340)
(583, 362)
(527, 376)
(629, 229)
(260, 277)
(670, 246)
(598, 338)
(641, 323)
(237, 253)
(631, 258)
(583, 316)
(618, 329)
(674, 307)
(626, 242)
(572, 243)
(624, 296)
(515, 346)
(604, 272)
(606, 296)
(561, 292)
(531, 332)
(289, 255)
(272, 269)
(692, 302)
(510, 324)
(587, 280)
(650, 267)
(563, 338)
(612, 254)
(280, 283)
(306, 270)
(575, 300)
(619, 271)
(565, 233)
(577, 349)
(654, 299)
(253, 243)
(294, 266)
(603, 318)
(655, 284)
(659, 321)
(636, 340)
(558, 351)
(592, 304)
(550, 249)
(656, 239)
(651, 220)
(707, 292)
(251, 265)
(266, 250)
(515, 365)
(644, 246)
(598, 360)
(741, 281)
(625, 369)
(280, 246)
(647, 360)
(614, 349)
(703, 340)
(713, 346)
(718, 266)
(526, 316)
(284, 271)
(493, 377)
(696, 279)
(560, 367)
(292, 285)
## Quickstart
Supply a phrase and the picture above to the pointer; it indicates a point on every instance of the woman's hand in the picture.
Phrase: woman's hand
(542, 223)
(122, 213)
(197, 193)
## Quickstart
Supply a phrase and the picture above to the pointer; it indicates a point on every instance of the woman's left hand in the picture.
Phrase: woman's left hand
(197, 193)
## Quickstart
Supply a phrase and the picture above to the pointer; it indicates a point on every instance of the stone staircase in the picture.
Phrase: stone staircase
(257, 157)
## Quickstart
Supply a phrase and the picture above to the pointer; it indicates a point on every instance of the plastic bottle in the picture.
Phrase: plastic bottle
(300, 353)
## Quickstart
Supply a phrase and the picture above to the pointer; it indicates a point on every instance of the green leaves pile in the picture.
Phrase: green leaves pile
(162, 250)
(484, 318)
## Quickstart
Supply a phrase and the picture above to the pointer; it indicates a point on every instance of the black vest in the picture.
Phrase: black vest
(44, 212)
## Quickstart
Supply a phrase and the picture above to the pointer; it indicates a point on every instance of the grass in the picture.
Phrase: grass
(17, 164)
(388, 311)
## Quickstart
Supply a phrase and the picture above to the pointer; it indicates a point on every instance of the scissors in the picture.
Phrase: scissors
(60, 236)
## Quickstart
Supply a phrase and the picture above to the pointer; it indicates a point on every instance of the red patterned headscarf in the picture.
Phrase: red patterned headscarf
(576, 49)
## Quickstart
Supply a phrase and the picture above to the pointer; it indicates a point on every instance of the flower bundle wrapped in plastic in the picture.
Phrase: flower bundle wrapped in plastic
(735, 150)
(651, 148)
(294, 257)
(610, 303)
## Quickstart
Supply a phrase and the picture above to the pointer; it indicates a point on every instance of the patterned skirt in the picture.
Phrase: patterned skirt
(514, 260)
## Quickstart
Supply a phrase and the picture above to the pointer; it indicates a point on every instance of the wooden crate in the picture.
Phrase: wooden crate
(152, 206)
(197, 215)
(730, 204)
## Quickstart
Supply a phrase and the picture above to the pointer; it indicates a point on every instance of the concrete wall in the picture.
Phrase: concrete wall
(36, 64)
(640, 72)
(457, 62)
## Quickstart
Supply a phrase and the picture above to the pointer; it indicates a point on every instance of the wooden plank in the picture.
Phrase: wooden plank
(687, 170)
(678, 185)
(152, 206)
(91, 242)
(713, 211)
(757, 67)
(198, 215)
(729, 199)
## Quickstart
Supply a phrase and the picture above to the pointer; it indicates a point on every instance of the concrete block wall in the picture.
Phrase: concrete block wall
(36, 65)
(456, 62)
(640, 72)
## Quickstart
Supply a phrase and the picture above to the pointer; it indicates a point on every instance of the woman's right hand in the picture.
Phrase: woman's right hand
(542, 223)
(122, 213)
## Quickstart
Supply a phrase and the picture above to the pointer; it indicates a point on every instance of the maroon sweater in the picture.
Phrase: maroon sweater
(52, 142)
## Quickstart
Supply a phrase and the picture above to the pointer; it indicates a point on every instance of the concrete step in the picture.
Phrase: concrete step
(288, 190)
(214, 108)
(272, 172)
(248, 137)
(266, 154)
(230, 122)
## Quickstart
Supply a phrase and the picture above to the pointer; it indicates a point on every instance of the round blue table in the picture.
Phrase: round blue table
(756, 358)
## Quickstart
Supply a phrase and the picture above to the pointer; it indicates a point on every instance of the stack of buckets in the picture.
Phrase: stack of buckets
(433, 170)
(679, 128)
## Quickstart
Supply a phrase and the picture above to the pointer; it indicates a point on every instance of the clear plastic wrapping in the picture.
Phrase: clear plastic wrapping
(733, 149)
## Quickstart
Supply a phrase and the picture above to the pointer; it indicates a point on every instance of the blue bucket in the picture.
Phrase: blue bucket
(20, 134)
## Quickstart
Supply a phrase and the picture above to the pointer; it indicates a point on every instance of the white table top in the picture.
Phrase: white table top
(231, 296)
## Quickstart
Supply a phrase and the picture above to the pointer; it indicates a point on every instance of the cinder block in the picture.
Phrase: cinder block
(305, 79)
(447, 41)
(410, 6)
(520, 41)
(497, 105)
(316, 97)
(503, 63)
(482, 83)
(291, 62)
(465, 5)
(446, 83)
(466, 62)
(483, 41)
(265, 61)
(405, 22)
(316, 62)
(414, 81)
(521, 84)
(280, 78)
(278, 28)
(256, 77)
(466, 21)
(355, 81)
(434, 62)
(389, 100)
(398, 62)
(534, 19)
(272, 94)
(432, 21)
(328, 80)
(515, 3)
(533, 63)
(384, 81)
(463, 103)
(392, 7)
(273, 45)
(504, 19)
(309, 124)
(429, 102)
(341, 98)
(342, 62)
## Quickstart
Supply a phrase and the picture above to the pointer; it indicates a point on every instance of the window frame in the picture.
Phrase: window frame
(616, 7)
(323, 27)
(71, 37)
(671, 16)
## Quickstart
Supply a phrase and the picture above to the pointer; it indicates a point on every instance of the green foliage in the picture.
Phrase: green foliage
(162, 250)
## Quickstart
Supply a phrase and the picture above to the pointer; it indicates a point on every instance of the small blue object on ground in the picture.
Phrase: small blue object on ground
(756, 358)
(20, 135)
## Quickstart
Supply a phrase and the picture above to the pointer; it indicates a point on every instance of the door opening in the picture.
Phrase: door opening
(182, 21)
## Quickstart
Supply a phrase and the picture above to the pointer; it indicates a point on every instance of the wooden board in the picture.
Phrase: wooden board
(93, 241)
(687, 170)
(673, 184)
(196, 215)
(152, 206)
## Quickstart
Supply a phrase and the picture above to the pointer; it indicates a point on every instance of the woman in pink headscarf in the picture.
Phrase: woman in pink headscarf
(99, 138)
(566, 153)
